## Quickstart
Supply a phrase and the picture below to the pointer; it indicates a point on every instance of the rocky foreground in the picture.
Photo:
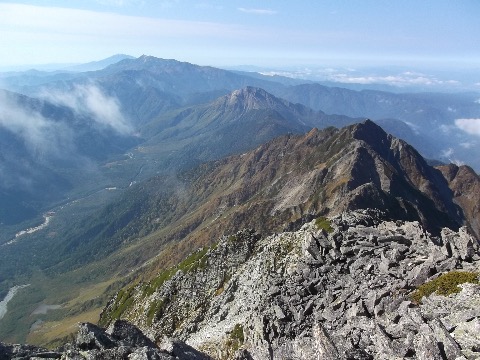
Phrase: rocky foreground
(335, 289)
(121, 340)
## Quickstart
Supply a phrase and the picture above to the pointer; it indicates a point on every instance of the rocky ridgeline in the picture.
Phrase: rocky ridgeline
(335, 289)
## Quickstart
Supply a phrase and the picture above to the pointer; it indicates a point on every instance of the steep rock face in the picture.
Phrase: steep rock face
(339, 289)
(403, 173)
(465, 185)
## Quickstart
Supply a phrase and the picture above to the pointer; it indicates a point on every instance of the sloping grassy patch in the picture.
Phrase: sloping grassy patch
(125, 297)
(236, 338)
(155, 310)
(323, 223)
(445, 284)
(193, 262)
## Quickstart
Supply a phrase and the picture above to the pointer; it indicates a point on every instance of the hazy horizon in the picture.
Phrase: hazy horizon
(440, 34)
(395, 78)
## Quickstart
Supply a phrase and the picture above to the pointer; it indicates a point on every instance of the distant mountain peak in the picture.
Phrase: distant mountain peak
(148, 58)
(119, 57)
(250, 98)
(153, 60)
(100, 64)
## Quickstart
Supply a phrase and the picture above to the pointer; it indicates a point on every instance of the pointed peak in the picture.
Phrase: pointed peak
(146, 58)
(368, 131)
(369, 124)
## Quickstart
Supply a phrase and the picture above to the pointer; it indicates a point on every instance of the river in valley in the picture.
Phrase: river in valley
(10, 295)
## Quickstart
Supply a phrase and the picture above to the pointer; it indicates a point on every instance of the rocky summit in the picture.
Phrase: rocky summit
(352, 287)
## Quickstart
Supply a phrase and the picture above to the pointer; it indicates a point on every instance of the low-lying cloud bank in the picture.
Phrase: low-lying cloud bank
(400, 80)
(364, 77)
(90, 101)
(41, 136)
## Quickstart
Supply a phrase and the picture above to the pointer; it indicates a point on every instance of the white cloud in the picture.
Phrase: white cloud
(470, 126)
(447, 128)
(477, 101)
(89, 100)
(406, 78)
(360, 76)
(467, 145)
(72, 22)
(414, 127)
(447, 153)
(257, 11)
(42, 136)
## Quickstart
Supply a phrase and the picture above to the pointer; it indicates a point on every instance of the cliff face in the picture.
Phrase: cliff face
(465, 186)
(341, 288)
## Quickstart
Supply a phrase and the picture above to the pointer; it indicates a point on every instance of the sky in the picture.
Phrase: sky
(227, 33)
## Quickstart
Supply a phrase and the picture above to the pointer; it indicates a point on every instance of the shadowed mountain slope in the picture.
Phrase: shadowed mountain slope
(465, 186)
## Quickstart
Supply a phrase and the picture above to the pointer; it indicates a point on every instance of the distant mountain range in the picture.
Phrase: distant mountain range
(148, 86)
(98, 65)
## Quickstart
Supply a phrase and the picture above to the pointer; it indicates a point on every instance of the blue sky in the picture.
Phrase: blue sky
(221, 33)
